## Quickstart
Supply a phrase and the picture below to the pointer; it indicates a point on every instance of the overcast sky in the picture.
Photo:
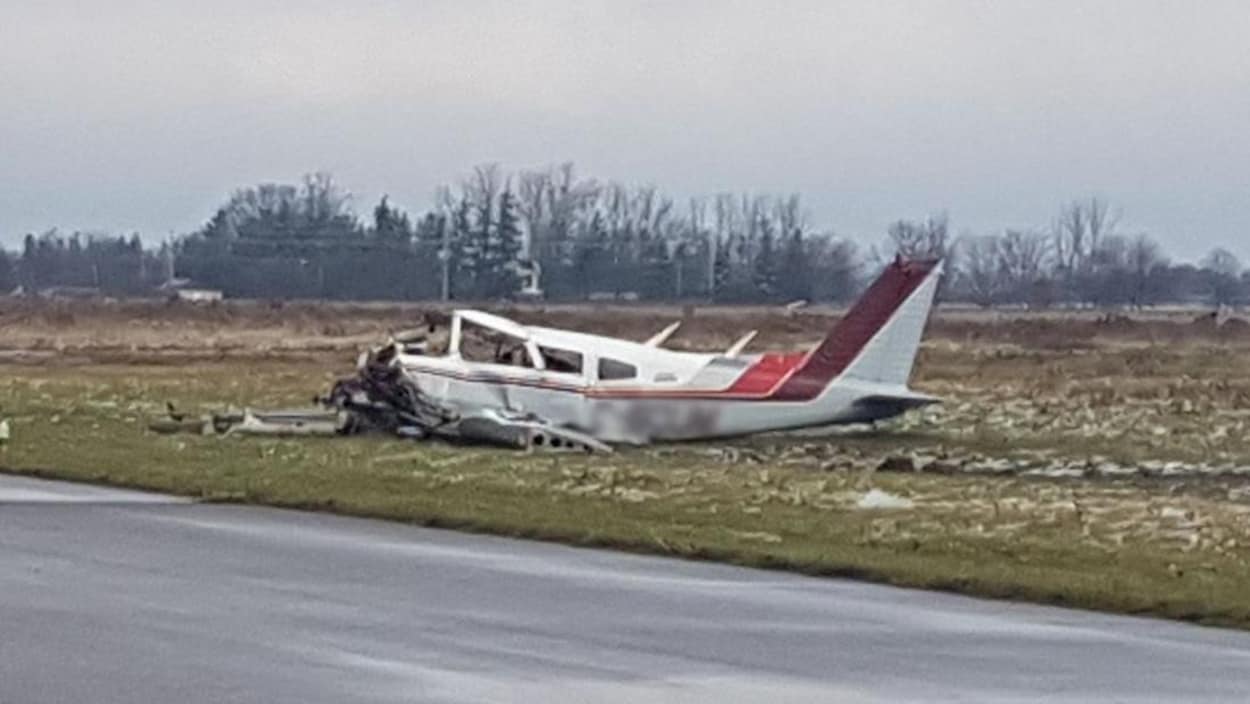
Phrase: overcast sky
(132, 115)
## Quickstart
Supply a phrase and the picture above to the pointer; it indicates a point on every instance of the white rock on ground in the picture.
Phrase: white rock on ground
(876, 498)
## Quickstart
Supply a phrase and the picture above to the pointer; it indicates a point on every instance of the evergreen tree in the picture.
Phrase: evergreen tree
(504, 247)
(765, 267)
(390, 225)
(464, 252)
(217, 234)
(429, 230)
(8, 273)
(721, 269)
(477, 251)
(795, 281)
(27, 265)
(590, 256)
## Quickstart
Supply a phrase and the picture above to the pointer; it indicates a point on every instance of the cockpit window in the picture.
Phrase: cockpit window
(558, 360)
(612, 370)
(484, 345)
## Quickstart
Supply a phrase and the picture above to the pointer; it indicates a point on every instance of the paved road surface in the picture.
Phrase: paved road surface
(109, 596)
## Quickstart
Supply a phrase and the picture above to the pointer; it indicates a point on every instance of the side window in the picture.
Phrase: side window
(557, 360)
(612, 370)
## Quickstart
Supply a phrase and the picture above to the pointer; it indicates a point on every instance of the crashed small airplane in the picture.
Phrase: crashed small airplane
(496, 380)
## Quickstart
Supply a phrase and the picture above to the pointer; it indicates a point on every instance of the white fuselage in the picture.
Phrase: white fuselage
(624, 391)
(610, 414)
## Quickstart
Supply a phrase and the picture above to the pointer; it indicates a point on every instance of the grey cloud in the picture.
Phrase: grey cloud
(143, 115)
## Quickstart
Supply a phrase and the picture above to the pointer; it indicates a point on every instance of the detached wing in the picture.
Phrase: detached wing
(508, 429)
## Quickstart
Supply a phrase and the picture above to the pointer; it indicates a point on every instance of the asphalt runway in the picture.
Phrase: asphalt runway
(110, 596)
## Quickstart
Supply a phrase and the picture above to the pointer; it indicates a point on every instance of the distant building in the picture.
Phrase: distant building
(198, 295)
(74, 292)
(530, 272)
(186, 290)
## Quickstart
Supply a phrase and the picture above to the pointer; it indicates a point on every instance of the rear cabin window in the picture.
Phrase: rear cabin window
(565, 361)
(612, 370)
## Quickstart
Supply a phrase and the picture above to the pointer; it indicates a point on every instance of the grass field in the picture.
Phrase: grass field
(1096, 463)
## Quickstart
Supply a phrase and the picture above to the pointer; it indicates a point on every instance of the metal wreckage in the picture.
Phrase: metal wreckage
(487, 379)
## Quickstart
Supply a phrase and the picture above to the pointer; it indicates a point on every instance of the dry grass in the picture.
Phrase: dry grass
(1109, 474)
(244, 328)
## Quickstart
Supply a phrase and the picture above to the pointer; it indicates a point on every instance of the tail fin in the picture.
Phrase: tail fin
(889, 355)
(877, 340)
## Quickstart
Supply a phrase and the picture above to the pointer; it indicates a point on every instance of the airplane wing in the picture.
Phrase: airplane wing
(527, 432)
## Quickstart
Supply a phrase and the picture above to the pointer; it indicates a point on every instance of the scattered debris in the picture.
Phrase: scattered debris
(287, 423)
(169, 425)
(757, 536)
(897, 463)
(381, 398)
(835, 455)
(876, 498)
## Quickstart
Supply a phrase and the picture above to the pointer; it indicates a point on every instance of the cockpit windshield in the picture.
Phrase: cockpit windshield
(482, 344)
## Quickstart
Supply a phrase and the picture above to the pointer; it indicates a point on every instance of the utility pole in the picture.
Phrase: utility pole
(713, 242)
(167, 264)
(678, 258)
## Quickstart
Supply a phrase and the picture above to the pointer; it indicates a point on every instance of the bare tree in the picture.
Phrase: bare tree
(727, 226)
(482, 189)
(1079, 231)
(696, 219)
(754, 213)
(790, 215)
(1111, 254)
(533, 197)
(1023, 256)
(323, 198)
(920, 240)
(555, 206)
(841, 260)
(981, 268)
(1143, 257)
(1221, 261)
(1223, 269)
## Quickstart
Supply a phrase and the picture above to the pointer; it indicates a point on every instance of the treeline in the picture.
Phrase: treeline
(493, 233)
(1082, 260)
(88, 262)
(496, 235)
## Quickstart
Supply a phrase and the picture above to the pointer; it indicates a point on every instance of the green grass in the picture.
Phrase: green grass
(1132, 548)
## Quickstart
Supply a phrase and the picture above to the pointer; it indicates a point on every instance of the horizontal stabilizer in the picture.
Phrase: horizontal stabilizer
(909, 399)
(736, 348)
(662, 336)
(881, 406)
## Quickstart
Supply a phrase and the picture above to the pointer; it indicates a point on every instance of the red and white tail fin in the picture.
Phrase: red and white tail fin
(877, 340)
(889, 355)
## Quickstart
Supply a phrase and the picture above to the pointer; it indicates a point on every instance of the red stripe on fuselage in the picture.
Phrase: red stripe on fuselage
(767, 372)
